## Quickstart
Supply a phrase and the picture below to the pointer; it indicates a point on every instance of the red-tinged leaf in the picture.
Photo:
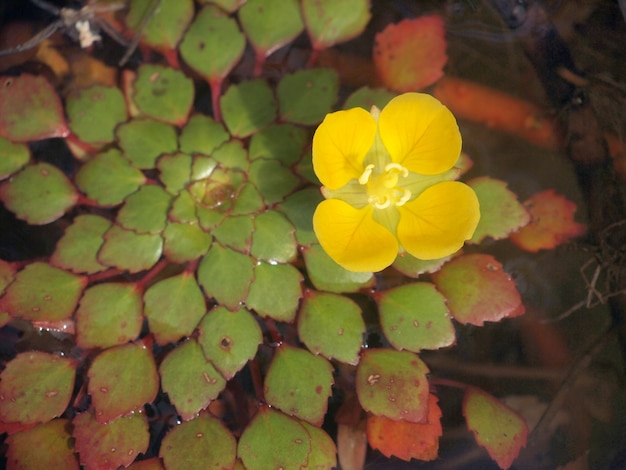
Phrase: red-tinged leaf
(407, 440)
(30, 109)
(496, 427)
(112, 445)
(35, 387)
(393, 384)
(410, 55)
(45, 446)
(203, 442)
(552, 222)
(122, 379)
(149, 464)
(12, 428)
(478, 290)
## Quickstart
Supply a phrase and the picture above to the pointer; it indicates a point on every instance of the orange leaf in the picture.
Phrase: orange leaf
(410, 55)
(404, 439)
(552, 222)
(498, 111)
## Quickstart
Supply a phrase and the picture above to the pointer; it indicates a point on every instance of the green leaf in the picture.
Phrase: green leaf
(496, 427)
(235, 232)
(78, 248)
(44, 446)
(415, 317)
(108, 178)
(272, 180)
(14, 157)
(478, 290)
(174, 306)
(41, 292)
(414, 267)
(213, 44)
(273, 240)
(174, 171)
(202, 134)
(329, 22)
(229, 6)
(146, 210)
(248, 200)
(323, 449)
(185, 242)
(366, 97)
(109, 314)
(304, 168)
(35, 387)
(183, 209)
(39, 194)
(166, 26)
(331, 325)
(163, 93)
(130, 251)
(500, 211)
(143, 140)
(7, 274)
(327, 275)
(306, 96)
(299, 383)
(190, 381)
(95, 112)
(218, 191)
(283, 142)
(226, 275)
(202, 443)
(248, 107)
(232, 155)
(276, 291)
(122, 379)
(203, 166)
(291, 444)
(299, 208)
(117, 443)
(270, 24)
(229, 339)
(393, 384)
(30, 109)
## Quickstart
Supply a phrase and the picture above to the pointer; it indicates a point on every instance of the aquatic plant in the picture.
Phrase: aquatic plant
(207, 300)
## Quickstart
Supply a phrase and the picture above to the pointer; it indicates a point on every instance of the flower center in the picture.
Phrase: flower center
(383, 189)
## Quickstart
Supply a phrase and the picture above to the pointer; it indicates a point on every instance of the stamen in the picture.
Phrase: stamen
(365, 177)
(404, 198)
(397, 166)
(383, 205)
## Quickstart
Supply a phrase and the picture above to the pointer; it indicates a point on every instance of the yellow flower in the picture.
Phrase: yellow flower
(388, 179)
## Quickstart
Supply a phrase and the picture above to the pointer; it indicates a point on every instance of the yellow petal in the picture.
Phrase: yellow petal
(438, 221)
(352, 238)
(340, 144)
(420, 133)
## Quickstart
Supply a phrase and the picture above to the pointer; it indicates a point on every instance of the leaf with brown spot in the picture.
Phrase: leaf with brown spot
(478, 290)
(112, 445)
(35, 387)
(393, 384)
